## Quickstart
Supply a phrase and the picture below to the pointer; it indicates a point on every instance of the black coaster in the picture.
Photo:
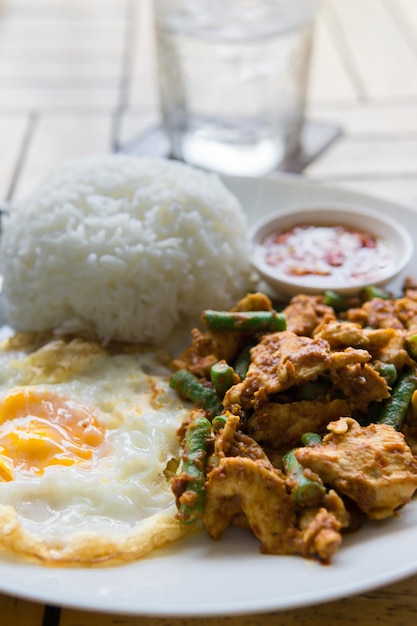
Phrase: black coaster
(316, 137)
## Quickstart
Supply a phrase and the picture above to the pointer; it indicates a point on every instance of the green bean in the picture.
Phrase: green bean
(335, 300)
(191, 501)
(395, 408)
(244, 321)
(371, 291)
(219, 422)
(306, 491)
(221, 375)
(310, 439)
(190, 387)
(242, 361)
(411, 345)
(387, 371)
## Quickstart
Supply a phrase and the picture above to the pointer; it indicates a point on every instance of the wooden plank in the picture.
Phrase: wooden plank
(16, 612)
(133, 123)
(57, 138)
(365, 119)
(143, 89)
(38, 70)
(59, 50)
(399, 190)
(378, 49)
(329, 82)
(406, 12)
(12, 131)
(24, 99)
(95, 9)
(352, 157)
(68, 52)
(50, 32)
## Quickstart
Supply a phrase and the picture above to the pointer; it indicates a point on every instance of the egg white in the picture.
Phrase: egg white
(118, 504)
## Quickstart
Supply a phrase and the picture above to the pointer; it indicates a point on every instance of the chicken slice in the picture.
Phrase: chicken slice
(361, 384)
(279, 361)
(258, 491)
(406, 310)
(320, 536)
(342, 334)
(382, 314)
(388, 345)
(372, 465)
(384, 344)
(281, 425)
(304, 313)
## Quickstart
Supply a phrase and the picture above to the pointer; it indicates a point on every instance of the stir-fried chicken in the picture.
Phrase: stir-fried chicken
(372, 465)
(244, 489)
(281, 425)
(406, 311)
(258, 490)
(377, 313)
(389, 346)
(305, 313)
(279, 361)
(361, 384)
(283, 360)
(340, 335)
(329, 374)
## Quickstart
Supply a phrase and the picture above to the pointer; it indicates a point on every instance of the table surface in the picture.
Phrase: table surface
(78, 78)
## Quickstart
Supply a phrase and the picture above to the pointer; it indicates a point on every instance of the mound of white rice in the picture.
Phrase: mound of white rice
(119, 247)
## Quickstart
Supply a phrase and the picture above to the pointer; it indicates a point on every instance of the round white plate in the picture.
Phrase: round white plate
(200, 577)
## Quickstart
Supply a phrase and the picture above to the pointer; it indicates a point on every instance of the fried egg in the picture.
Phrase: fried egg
(87, 441)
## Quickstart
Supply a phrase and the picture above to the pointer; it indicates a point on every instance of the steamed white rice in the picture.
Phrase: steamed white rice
(119, 247)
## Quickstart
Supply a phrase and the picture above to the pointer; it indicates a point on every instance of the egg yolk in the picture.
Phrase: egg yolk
(39, 429)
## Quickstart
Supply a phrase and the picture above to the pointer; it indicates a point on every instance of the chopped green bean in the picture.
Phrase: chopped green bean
(190, 387)
(335, 300)
(242, 362)
(190, 502)
(306, 491)
(387, 371)
(310, 439)
(395, 408)
(411, 345)
(244, 321)
(219, 422)
(371, 291)
(221, 375)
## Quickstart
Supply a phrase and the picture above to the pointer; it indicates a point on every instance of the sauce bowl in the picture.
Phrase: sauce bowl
(310, 249)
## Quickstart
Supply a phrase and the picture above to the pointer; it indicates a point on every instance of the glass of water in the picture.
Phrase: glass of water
(233, 76)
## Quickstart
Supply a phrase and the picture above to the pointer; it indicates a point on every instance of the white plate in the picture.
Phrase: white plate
(200, 577)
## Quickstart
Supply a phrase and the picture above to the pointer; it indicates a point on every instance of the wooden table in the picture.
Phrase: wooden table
(78, 78)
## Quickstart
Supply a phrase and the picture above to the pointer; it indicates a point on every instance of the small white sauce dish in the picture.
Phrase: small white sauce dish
(383, 230)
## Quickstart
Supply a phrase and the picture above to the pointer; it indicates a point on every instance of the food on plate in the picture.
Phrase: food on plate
(342, 253)
(299, 424)
(308, 249)
(87, 448)
(124, 248)
(101, 266)
(300, 433)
